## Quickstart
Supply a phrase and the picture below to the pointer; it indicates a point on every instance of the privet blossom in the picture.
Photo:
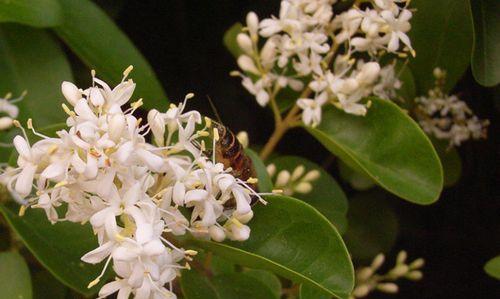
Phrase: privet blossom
(135, 194)
(368, 280)
(328, 58)
(9, 111)
(446, 116)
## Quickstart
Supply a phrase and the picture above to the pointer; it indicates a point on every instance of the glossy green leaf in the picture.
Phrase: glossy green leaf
(46, 286)
(373, 226)
(265, 184)
(38, 69)
(308, 292)
(492, 267)
(486, 52)
(441, 34)
(57, 247)
(407, 92)
(451, 161)
(96, 39)
(388, 146)
(326, 195)
(267, 278)
(15, 280)
(292, 239)
(36, 13)
(227, 286)
(357, 180)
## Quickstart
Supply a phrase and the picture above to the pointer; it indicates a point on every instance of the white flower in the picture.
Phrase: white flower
(311, 114)
(397, 26)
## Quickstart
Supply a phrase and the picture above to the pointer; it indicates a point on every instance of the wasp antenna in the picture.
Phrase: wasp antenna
(214, 109)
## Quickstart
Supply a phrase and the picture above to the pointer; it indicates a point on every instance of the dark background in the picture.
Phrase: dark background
(183, 42)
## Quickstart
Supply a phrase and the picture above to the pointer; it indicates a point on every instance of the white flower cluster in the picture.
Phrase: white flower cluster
(9, 111)
(367, 279)
(134, 194)
(329, 58)
(299, 181)
(446, 116)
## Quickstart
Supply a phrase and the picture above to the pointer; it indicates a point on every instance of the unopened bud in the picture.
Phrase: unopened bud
(361, 291)
(311, 176)
(216, 233)
(401, 258)
(245, 43)
(303, 187)
(71, 92)
(298, 172)
(247, 64)
(364, 274)
(388, 287)
(271, 169)
(399, 271)
(283, 178)
(417, 264)
(378, 261)
(5, 122)
(415, 275)
(253, 24)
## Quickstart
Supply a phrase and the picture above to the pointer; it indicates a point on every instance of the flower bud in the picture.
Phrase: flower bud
(369, 72)
(247, 64)
(415, 275)
(311, 176)
(245, 218)
(271, 169)
(71, 92)
(303, 187)
(96, 97)
(283, 178)
(238, 232)
(418, 263)
(216, 233)
(245, 43)
(399, 270)
(388, 287)
(298, 172)
(5, 122)
(157, 124)
(361, 291)
(378, 261)
(364, 274)
(253, 24)
(268, 53)
(401, 258)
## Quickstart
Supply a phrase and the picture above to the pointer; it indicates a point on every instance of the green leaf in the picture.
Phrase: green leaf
(96, 39)
(31, 60)
(441, 34)
(326, 195)
(227, 286)
(267, 278)
(36, 13)
(46, 286)
(229, 39)
(388, 146)
(265, 184)
(58, 247)
(486, 53)
(373, 226)
(492, 267)
(308, 292)
(450, 159)
(408, 90)
(356, 179)
(292, 239)
(15, 281)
